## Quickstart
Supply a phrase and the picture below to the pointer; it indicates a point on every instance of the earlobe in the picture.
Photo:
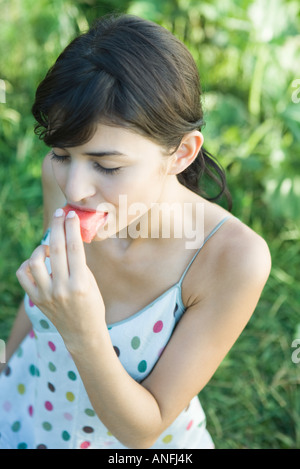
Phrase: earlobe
(187, 152)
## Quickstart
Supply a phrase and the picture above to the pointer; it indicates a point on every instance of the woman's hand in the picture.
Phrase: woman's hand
(69, 296)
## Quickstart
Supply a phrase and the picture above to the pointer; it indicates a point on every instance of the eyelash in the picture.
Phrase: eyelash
(63, 158)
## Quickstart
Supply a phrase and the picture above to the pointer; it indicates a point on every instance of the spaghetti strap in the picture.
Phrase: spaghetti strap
(205, 240)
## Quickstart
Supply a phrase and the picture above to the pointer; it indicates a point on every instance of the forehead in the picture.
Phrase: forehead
(120, 140)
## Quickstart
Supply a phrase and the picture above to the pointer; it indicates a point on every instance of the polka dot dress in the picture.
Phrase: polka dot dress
(43, 402)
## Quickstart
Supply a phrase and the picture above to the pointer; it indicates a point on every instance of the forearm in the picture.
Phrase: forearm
(125, 407)
(71, 299)
(20, 329)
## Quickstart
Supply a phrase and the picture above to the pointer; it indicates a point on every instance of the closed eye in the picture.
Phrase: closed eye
(101, 169)
(60, 158)
(97, 166)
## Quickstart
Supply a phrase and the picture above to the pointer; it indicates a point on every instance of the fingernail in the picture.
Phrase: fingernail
(59, 212)
(71, 214)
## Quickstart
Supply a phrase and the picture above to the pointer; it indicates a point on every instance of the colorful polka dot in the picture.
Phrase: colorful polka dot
(51, 387)
(47, 426)
(167, 439)
(51, 366)
(21, 389)
(7, 371)
(90, 412)
(117, 350)
(108, 443)
(44, 324)
(16, 426)
(88, 429)
(48, 406)
(34, 371)
(65, 435)
(52, 346)
(31, 304)
(190, 424)
(135, 342)
(22, 446)
(158, 327)
(41, 446)
(70, 396)
(142, 366)
(72, 375)
(85, 445)
(30, 410)
(7, 406)
(68, 416)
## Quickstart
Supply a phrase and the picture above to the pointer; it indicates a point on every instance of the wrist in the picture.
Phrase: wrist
(88, 343)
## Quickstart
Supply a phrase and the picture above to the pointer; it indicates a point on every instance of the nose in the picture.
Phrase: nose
(79, 183)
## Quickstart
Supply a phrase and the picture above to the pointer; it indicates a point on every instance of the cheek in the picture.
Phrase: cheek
(138, 196)
(59, 175)
(130, 196)
(136, 185)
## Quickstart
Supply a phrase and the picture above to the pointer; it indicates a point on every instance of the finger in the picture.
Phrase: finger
(75, 247)
(26, 280)
(38, 268)
(58, 254)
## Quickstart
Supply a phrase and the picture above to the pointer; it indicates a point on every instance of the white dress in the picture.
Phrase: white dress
(44, 404)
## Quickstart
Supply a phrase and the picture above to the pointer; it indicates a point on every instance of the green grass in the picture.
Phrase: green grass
(21, 225)
(253, 400)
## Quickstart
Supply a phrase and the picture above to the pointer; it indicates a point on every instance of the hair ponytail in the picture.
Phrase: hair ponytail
(203, 167)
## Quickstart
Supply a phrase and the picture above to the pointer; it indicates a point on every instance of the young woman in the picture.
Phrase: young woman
(129, 328)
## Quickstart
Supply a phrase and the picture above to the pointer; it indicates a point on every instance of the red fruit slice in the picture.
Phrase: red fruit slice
(90, 222)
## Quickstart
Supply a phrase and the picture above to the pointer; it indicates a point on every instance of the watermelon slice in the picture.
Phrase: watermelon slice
(90, 222)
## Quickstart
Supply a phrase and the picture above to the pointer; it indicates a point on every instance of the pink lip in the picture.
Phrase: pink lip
(84, 209)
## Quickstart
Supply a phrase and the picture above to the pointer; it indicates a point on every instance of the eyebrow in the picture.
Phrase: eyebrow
(105, 153)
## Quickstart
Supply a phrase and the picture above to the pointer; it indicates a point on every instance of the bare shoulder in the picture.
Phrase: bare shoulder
(243, 253)
(235, 259)
(241, 267)
(52, 195)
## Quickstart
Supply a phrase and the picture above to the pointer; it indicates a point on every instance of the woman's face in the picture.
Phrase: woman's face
(118, 171)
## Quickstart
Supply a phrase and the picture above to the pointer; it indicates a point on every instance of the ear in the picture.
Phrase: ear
(186, 153)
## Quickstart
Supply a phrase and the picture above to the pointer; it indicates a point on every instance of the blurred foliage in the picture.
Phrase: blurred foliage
(248, 55)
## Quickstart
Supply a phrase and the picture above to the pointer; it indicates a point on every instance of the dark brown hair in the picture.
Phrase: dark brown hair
(128, 72)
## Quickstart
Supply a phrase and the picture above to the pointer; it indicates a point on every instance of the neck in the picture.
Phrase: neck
(166, 218)
(162, 216)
